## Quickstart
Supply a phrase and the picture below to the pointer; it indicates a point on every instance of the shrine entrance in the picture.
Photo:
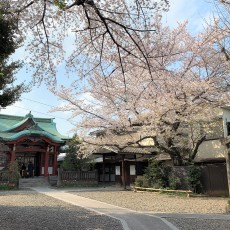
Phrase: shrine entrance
(25, 158)
(29, 139)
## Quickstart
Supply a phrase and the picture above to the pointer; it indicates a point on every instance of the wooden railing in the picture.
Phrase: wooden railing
(70, 175)
(77, 176)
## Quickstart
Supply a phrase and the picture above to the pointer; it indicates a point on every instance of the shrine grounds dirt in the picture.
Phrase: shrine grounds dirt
(158, 203)
(184, 213)
(27, 209)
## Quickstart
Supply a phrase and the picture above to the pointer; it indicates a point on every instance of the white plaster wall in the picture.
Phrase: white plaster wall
(210, 150)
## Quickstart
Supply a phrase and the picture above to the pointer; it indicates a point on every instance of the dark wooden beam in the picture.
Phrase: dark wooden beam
(123, 171)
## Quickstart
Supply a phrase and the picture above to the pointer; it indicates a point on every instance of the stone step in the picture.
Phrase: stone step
(33, 182)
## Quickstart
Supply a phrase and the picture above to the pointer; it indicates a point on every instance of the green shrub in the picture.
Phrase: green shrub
(155, 174)
(4, 186)
(139, 182)
(194, 178)
(14, 173)
(8, 186)
(9, 178)
(174, 182)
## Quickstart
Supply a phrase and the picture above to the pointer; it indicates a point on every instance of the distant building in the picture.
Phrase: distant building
(29, 139)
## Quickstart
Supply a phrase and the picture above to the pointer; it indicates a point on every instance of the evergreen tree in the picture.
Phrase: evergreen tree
(74, 160)
(10, 40)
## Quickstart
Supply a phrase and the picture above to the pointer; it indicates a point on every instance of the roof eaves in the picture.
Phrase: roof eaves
(31, 132)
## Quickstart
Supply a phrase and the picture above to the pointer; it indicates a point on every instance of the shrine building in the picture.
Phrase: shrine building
(29, 139)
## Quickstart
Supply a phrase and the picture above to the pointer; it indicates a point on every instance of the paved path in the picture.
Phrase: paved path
(130, 220)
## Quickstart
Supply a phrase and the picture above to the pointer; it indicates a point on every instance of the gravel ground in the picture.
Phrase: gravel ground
(162, 203)
(158, 203)
(27, 209)
(204, 224)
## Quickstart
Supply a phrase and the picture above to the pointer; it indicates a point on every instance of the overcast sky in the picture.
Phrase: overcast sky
(39, 101)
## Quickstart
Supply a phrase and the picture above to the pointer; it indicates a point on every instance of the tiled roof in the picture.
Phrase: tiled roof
(126, 150)
(40, 126)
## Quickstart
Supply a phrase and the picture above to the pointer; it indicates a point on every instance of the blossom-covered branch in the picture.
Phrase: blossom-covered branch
(106, 32)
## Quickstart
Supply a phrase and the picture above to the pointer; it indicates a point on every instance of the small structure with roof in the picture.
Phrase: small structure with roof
(30, 139)
(122, 166)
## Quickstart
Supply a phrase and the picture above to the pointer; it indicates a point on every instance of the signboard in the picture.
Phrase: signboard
(132, 170)
(118, 170)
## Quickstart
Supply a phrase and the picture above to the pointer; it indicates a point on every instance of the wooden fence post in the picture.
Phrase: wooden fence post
(228, 168)
(59, 177)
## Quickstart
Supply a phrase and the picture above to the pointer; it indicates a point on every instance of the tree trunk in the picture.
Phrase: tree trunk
(199, 142)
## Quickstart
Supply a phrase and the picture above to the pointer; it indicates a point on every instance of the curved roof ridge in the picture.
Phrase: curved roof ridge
(9, 124)
(51, 128)
(28, 132)
(19, 124)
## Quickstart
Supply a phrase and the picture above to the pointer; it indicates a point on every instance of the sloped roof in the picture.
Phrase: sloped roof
(126, 150)
(39, 126)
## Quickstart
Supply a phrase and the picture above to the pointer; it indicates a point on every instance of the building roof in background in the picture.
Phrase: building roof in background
(126, 150)
(61, 157)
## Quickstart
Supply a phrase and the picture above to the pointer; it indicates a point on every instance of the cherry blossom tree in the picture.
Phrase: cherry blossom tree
(135, 79)
(98, 26)
(176, 106)
(223, 26)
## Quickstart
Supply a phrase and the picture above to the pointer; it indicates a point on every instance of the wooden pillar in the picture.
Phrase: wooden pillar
(55, 164)
(103, 169)
(109, 173)
(123, 171)
(46, 164)
(41, 160)
(13, 154)
(228, 168)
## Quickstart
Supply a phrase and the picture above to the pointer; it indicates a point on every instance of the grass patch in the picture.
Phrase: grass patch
(8, 186)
